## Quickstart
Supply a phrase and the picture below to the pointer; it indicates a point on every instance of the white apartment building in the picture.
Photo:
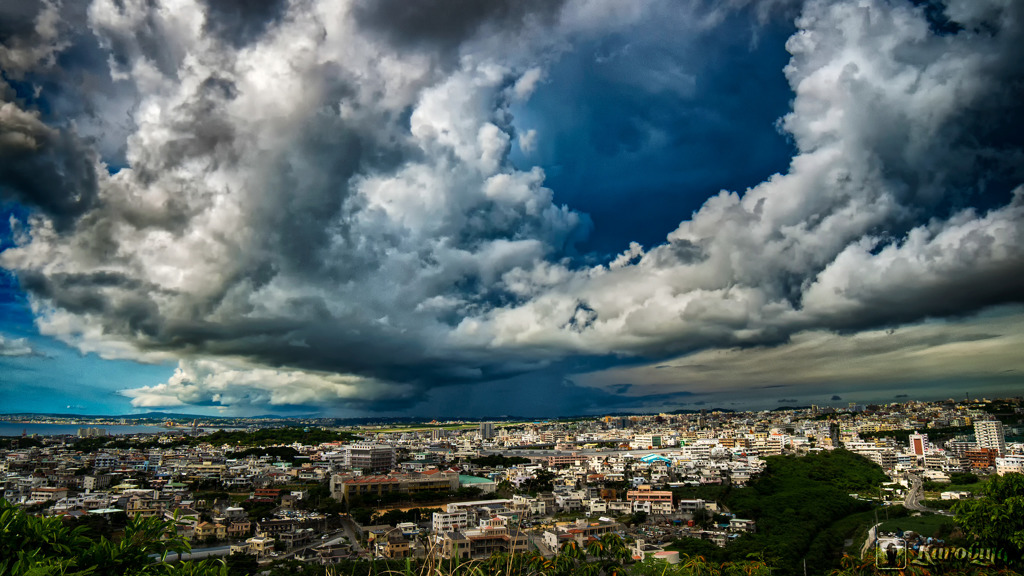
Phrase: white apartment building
(448, 521)
(370, 458)
(1010, 465)
(643, 441)
(990, 434)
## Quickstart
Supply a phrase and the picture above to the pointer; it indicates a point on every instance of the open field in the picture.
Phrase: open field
(926, 524)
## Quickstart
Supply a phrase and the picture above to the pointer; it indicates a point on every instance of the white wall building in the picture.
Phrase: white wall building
(990, 434)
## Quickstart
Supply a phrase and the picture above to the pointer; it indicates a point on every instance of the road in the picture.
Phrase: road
(538, 541)
(201, 553)
(348, 525)
(913, 499)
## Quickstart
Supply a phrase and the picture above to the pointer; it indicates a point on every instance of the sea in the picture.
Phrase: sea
(30, 429)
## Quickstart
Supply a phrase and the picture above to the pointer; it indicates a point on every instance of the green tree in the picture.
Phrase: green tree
(997, 518)
(33, 546)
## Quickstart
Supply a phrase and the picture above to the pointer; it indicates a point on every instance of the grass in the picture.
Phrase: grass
(926, 524)
(938, 487)
(972, 488)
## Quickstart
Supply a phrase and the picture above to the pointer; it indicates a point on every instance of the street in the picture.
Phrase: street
(913, 499)
(201, 553)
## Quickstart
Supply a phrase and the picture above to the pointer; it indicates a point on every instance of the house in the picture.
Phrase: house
(491, 537)
(260, 545)
(397, 546)
(45, 493)
(742, 525)
(296, 537)
(211, 531)
(239, 528)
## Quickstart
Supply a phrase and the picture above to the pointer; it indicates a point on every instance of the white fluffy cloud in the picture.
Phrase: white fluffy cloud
(319, 206)
(15, 347)
(838, 241)
(239, 386)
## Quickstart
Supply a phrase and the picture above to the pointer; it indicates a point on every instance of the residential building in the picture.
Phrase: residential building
(990, 434)
(918, 444)
(982, 457)
(260, 545)
(491, 537)
(448, 521)
(397, 546)
(1010, 465)
(641, 441)
(344, 486)
(644, 493)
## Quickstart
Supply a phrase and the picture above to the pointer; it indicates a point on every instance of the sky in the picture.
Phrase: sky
(508, 207)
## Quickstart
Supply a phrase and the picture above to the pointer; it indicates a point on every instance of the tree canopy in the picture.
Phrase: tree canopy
(997, 518)
(35, 546)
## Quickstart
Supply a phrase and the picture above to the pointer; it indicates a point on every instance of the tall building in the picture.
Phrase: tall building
(918, 444)
(370, 458)
(486, 430)
(990, 434)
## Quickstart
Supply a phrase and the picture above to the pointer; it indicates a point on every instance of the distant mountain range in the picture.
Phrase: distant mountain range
(360, 421)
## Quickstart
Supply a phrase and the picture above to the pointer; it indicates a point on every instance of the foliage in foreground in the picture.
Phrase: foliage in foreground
(34, 546)
(997, 518)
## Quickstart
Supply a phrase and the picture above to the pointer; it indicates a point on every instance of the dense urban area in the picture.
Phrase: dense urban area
(910, 486)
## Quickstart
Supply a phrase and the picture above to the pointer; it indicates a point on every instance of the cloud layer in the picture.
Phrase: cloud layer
(15, 347)
(932, 357)
(314, 201)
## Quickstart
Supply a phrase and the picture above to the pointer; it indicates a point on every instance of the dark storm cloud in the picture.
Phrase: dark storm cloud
(444, 24)
(17, 17)
(44, 167)
(240, 22)
(29, 37)
(518, 396)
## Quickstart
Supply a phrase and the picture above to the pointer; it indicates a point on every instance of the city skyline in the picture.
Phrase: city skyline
(481, 208)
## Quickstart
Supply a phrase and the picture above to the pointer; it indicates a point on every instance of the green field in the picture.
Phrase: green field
(972, 488)
(926, 524)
